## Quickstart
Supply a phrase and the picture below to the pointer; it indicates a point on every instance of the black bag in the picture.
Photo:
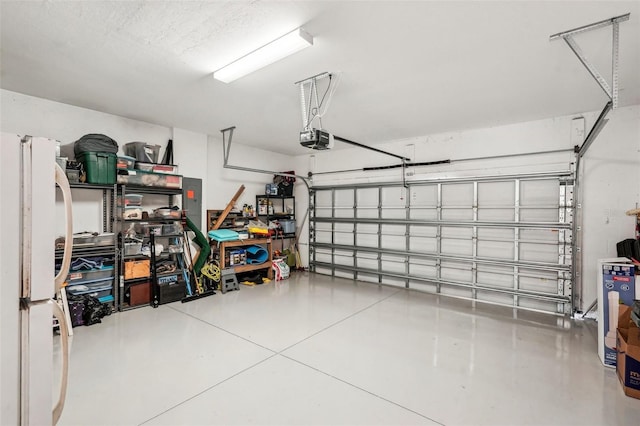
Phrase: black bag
(629, 248)
(95, 142)
(285, 183)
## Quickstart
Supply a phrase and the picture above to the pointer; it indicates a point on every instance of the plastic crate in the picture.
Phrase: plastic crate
(126, 162)
(97, 288)
(100, 167)
(142, 178)
(91, 275)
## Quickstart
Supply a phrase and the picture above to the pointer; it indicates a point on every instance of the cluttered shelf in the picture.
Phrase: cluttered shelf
(251, 254)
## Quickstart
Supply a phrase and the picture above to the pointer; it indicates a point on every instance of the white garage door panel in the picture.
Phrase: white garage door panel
(496, 239)
(367, 240)
(423, 213)
(457, 232)
(423, 271)
(539, 215)
(423, 231)
(423, 245)
(496, 234)
(539, 192)
(539, 235)
(456, 247)
(495, 279)
(538, 253)
(367, 198)
(391, 266)
(365, 212)
(496, 194)
(542, 283)
(458, 195)
(457, 214)
(496, 249)
(455, 272)
(496, 214)
(394, 197)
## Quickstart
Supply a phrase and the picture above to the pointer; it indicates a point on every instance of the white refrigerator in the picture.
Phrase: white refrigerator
(28, 178)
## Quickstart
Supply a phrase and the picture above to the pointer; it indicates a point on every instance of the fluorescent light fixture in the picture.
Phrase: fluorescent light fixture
(281, 47)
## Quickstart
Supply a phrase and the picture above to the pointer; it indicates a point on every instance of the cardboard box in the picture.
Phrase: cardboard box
(616, 287)
(628, 350)
(136, 269)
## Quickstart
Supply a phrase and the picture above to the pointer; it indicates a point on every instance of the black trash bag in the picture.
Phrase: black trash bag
(94, 311)
(76, 309)
(95, 142)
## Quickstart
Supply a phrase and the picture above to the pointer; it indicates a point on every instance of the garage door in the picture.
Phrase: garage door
(497, 239)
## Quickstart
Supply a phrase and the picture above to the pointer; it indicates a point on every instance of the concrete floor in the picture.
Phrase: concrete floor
(317, 350)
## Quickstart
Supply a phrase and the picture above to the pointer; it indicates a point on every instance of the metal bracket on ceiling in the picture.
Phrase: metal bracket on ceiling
(226, 150)
(315, 107)
(567, 36)
(226, 146)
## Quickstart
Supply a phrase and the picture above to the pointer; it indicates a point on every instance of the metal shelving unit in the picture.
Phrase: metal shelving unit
(108, 206)
(498, 239)
(120, 223)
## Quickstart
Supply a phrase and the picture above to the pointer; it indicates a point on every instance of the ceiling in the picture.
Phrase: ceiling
(406, 69)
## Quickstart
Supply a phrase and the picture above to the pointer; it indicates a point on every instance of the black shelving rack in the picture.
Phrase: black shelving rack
(281, 205)
(121, 227)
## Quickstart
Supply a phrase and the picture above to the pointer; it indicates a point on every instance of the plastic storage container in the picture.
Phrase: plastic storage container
(145, 167)
(167, 213)
(98, 288)
(100, 167)
(131, 249)
(87, 239)
(288, 226)
(142, 178)
(132, 213)
(172, 229)
(133, 200)
(169, 169)
(142, 151)
(126, 162)
(81, 277)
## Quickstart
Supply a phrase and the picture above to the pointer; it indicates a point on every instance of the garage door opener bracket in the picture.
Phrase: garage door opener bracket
(567, 36)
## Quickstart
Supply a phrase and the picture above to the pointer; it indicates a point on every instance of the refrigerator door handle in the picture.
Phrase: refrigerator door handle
(63, 183)
(59, 314)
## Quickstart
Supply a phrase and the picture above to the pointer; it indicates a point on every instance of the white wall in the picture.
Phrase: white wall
(611, 169)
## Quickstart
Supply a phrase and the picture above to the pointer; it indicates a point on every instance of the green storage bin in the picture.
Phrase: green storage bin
(100, 167)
